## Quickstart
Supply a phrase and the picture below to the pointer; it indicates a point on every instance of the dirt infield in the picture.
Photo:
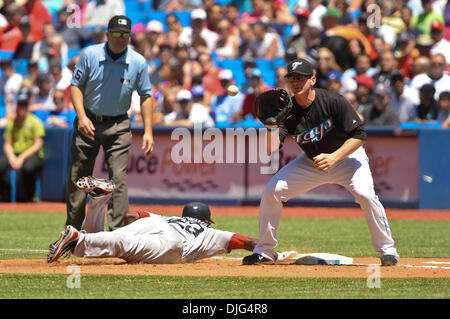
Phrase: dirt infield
(222, 266)
(307, 212)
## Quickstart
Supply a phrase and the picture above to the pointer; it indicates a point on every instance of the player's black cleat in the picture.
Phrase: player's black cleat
(256, 259)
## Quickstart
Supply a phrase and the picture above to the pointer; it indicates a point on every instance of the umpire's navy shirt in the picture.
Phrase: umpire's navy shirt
(107, 84)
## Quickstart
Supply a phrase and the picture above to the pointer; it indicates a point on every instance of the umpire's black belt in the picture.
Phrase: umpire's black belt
(105, 118)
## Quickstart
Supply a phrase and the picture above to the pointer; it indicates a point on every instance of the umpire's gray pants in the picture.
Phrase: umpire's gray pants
(115, 137)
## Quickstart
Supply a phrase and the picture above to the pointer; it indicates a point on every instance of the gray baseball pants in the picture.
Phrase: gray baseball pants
(115, 138)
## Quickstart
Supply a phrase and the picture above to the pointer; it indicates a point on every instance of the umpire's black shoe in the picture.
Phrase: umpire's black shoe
(256, 259)
(388, 260)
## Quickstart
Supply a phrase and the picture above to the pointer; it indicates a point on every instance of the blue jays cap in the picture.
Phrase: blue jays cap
(300, 67)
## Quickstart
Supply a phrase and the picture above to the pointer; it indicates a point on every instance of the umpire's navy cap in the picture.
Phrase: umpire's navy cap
(300, 67)
(119, 23)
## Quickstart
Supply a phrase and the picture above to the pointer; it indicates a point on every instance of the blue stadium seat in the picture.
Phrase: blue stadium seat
(184, 17)
(6, 54)
(73, 52)
(267, 69)
(21, 66)
(137, 11)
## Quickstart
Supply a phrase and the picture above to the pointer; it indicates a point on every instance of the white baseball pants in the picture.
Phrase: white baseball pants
(300, 176)
(149, 239)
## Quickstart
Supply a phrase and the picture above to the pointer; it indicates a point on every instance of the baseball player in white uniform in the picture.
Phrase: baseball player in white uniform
(149, 238)
(331, 135)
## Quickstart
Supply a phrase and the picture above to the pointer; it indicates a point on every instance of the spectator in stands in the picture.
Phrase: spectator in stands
(246, 36)
(325, 63)
(428, 109)
(255, 14)
(364, 91)
(24, 48)
(435, 76)
(51, 45)
(139, 40)
(405, 53)
(281, 80)
(334, 81)
(166, 5)
(381, 113)
(99, 12)
(188, 113)
(189, 67)
(317, 10)
(256, 82)
(225, 107)
(282, 15)
(232, 15)
(155, 37)
(353, 100)
(39, 15)
(211, 80)
(61, 75)
(331, 18)
(343, 6)
(404, 99)
(266, 45)
(43, 99)
(362, 66)
(32, 73)
(214, 15)
(440, 44)
(10, 35)
(198, 29)
(228, 44)
(444, 109)
(313, 39)
(10, 82)
(165, 54)
(174, 24)
(407, 17)
(388, 64)
(421, 64)
(297, 38)
(23, 151)
(248, 64)
(424, 44)
(75, 36)
(63, 116)
(98, 35)
(423, 20)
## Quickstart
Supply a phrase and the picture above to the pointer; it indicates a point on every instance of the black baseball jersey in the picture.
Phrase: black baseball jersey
(324, 125)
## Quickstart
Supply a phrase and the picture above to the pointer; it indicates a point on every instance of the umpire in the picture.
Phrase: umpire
(102, 84)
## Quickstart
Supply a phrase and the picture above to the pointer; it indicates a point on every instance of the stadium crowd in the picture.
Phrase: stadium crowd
(389, 58)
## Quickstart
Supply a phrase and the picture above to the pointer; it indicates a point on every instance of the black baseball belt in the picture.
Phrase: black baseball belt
(104, 118)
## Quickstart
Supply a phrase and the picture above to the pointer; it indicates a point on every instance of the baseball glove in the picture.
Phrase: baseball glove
(273, 106)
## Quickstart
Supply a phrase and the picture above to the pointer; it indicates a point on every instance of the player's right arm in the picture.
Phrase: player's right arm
(85, 125)
(79, 78)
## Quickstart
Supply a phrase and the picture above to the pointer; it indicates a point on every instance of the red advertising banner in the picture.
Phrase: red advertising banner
(220, 166)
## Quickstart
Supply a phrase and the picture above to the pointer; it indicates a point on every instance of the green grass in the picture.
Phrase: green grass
(27, 235)
(166, 287)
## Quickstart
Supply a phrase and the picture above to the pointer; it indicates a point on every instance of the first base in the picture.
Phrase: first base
(323, 259)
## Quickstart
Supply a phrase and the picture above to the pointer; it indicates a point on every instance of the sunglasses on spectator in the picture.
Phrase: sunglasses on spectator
(118, 35)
